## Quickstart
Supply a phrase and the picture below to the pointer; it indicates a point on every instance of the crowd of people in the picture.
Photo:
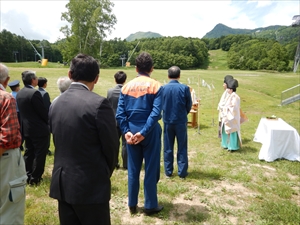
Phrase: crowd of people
(87, 137)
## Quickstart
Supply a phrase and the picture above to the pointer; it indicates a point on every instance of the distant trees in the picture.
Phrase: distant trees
(16, 48)
(245, 52)
(166, 51)
(258, 54)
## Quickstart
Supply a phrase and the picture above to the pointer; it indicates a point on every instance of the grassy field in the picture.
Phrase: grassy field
(222, 187)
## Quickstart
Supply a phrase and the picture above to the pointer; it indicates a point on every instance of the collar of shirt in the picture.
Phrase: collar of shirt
(143, 74)
(2, 87)
(80, 84)
(42, 88)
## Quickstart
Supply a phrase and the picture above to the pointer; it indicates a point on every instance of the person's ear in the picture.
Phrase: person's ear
(96, 79)
(69, 75)
(151, 69)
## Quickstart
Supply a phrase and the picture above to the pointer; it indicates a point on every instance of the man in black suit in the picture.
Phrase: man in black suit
(113, 95)
(34, 127)
(42, 83)
(86, 147)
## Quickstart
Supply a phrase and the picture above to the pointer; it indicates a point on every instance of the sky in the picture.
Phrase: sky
(41, 19)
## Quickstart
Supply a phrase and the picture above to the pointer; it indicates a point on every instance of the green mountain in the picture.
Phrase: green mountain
(140, 35)
(283, 34)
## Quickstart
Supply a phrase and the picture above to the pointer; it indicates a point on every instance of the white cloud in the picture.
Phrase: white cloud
(42, 19)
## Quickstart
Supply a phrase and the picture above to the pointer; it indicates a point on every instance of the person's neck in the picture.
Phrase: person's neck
(90, 85)
(174, 78)
(144, 73)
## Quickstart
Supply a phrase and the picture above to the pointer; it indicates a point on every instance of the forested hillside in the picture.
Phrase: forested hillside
(282, 34)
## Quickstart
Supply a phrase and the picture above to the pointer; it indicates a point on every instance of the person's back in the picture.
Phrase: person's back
(12, 166)
(138, 112)
(113, 95)
(34, 127)
(177, 103)
(86, 147)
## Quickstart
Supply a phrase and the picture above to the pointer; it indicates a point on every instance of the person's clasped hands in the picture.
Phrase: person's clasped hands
(133, 139)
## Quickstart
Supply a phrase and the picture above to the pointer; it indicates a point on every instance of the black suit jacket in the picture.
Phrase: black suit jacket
(86, 146)
(113, 95)
(33, 113)
(46, 98)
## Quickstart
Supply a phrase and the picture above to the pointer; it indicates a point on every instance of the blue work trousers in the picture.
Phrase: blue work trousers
(180, 132)
(149, 150)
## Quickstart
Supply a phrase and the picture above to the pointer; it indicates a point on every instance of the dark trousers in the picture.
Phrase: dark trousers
(92, 214)
(35, 157)
(124, 150)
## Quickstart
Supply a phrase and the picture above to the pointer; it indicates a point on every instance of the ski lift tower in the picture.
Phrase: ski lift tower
(297, 55)
(128, 63)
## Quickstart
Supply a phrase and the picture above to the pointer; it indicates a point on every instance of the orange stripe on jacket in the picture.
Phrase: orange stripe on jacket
(141, 86)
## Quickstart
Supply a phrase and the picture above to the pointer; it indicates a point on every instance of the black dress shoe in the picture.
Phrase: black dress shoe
(153, 211)
(35, 182)
(49, 152)
(132, 209)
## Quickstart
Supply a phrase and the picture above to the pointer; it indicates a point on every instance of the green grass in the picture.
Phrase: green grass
(221, 188)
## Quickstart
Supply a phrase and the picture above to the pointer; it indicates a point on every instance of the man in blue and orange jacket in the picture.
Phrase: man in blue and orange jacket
(138, 112)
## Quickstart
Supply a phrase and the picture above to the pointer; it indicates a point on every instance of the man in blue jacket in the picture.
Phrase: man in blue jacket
(138, 112)
(177, 104)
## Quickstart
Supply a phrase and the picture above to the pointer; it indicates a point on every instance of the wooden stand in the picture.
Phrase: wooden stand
(194, 117)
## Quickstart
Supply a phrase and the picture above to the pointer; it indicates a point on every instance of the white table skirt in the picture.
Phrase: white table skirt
(279, 140)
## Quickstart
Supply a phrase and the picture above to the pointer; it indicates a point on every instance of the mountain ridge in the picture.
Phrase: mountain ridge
(283, 34)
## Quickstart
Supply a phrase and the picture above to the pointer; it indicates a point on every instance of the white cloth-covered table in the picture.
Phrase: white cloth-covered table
(279, 140)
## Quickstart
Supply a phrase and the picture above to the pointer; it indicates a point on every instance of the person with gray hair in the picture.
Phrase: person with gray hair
(63, 83)
(34, 126)
(177, 103)
(12, 166)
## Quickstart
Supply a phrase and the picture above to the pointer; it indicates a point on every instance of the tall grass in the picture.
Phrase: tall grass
(222, 187)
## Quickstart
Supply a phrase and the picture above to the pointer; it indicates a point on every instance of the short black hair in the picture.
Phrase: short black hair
(27, 77)
(144, 62)
(227, 78)
(174, 72)
(120, 77)
(42, 81)
(84, 67)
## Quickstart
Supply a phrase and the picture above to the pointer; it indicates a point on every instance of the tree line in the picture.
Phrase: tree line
(91, 20)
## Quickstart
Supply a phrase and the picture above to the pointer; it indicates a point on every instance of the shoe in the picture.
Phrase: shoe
(169, 176)
(149, 212)
(132, 209)
(117, 166)
(35, 182)
(49, 152)
(183, 177)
